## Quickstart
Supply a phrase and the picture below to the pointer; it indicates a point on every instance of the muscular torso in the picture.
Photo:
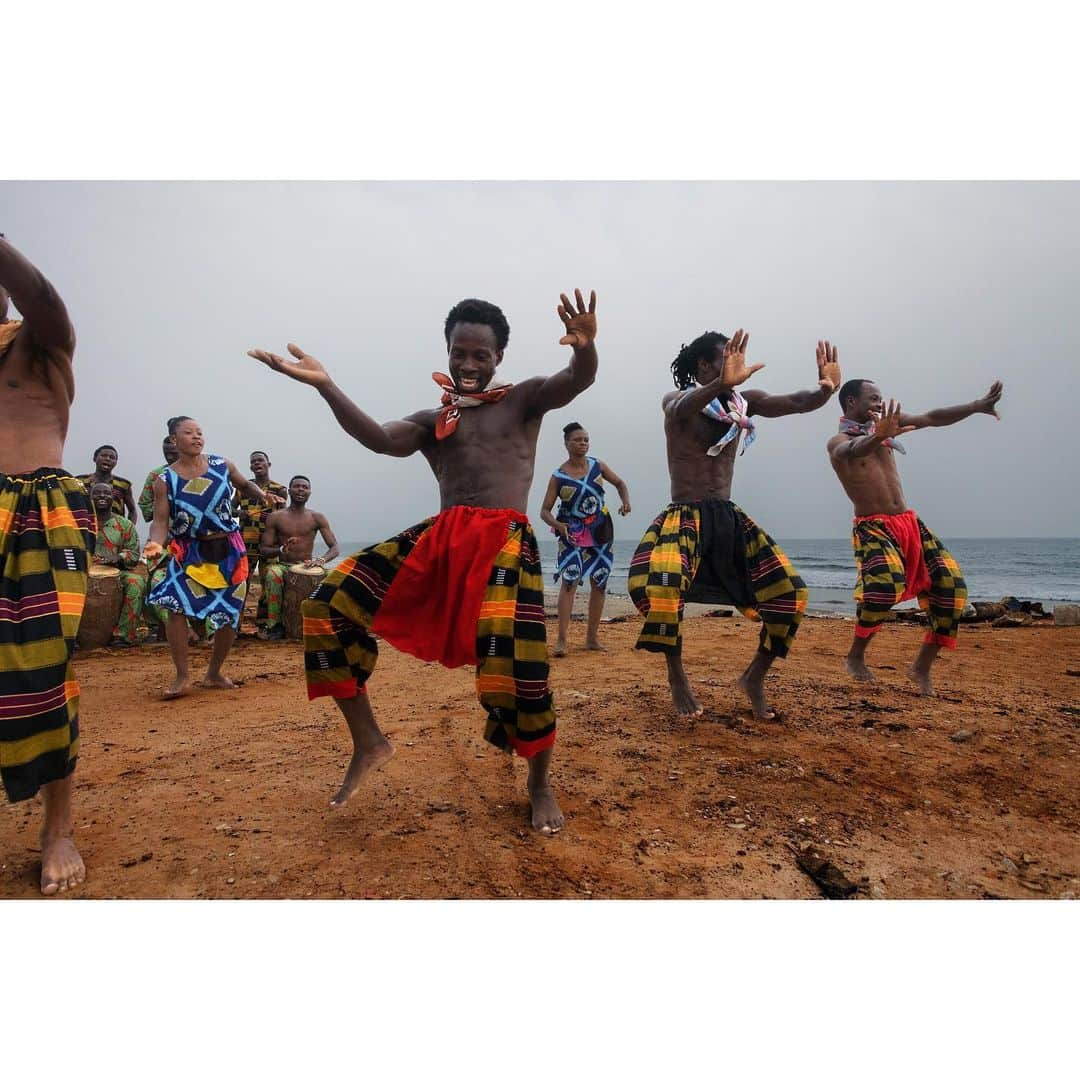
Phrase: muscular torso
(490, 458)
(36, 389)
(872, 482)
(299, 524)
(695, 475)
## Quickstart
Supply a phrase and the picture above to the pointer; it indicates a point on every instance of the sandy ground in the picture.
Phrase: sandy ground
(974, 794)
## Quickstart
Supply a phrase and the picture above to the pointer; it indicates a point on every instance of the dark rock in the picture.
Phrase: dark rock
(1010, 621)
(829, 878)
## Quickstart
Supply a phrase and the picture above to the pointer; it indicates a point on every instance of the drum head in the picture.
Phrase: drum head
(97, 570)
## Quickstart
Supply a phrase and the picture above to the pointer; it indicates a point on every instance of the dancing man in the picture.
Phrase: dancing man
(703, 548)
(898, 556)
(465, 586)
(46, 537)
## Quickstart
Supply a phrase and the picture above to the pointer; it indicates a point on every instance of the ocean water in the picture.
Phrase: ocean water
(1029, 568)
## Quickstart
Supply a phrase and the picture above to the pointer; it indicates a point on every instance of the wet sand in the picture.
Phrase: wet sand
(224, 794)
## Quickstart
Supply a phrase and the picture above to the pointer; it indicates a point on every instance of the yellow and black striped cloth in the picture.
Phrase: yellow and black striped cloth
(511, 635)
(46, 532)
(732, 561)
(883, 581)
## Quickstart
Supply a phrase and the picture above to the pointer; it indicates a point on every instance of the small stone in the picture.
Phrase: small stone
(1009, 865)
(230, 881)
(963, 735)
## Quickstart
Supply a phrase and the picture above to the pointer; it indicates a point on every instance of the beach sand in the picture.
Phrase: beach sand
(225, 794)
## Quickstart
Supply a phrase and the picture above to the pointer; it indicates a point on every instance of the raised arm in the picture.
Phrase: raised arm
(760, 403)
(398, 438)
(847, 448)
(561, 388)
(619, 485)
(38, 302)
(159, 527)
(684, 403)
(953, 414)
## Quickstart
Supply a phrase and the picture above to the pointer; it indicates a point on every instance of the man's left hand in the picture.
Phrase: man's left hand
(580, 324)
(828, 369)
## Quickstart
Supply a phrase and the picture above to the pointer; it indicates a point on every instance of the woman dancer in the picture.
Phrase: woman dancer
(206, 572)
(584, 530)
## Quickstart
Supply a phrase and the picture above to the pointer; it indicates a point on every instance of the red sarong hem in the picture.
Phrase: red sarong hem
(344, 688)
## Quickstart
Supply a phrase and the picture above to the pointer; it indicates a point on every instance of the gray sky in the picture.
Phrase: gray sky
(931, 289)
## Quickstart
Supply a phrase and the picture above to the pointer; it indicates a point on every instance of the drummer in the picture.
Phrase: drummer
(289, 535)
(118, 546)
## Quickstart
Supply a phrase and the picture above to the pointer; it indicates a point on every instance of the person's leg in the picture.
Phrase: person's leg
(132, 589)
(176, 633)
(780, 597)
(273, 588)
(61, 864)
(566, 607)
(547, 817)
(371, 748)
(944, 604)
(880, 586)
(596, 609)
(224, 637)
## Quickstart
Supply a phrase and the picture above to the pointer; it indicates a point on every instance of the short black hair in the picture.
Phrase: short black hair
(264, 454)
(570, 429)
(101, 483)
(105, 446)
(851, 389)
(175, 422)
(300, 476)
(684, 366)
(479, 311)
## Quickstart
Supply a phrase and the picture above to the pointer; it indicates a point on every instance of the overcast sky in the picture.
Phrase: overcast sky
(933, 290)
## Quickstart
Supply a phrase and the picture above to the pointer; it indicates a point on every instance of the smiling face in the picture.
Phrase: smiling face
(101, 495)
(105, 460)
(188, 437)
(260, 465)
(866, 406)
(473, 356)
(577, 443)
(299, 491)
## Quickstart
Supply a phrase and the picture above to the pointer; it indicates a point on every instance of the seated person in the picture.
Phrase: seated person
(118, 545)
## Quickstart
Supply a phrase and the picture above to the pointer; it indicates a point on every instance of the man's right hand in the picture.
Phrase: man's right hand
(304, 368)
(735, 369)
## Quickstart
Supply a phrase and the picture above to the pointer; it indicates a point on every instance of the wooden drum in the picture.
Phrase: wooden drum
(103, 599)
(300, 583)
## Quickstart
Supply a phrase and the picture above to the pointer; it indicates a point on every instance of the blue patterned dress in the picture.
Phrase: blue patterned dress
(582, 510)
(205, 579)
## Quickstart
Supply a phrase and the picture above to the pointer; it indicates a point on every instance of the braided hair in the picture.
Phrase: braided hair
(684, 366)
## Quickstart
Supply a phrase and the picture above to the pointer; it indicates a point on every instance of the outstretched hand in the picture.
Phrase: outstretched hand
(624, 509)
(735, 369)
(580, 324)
(828, 369)
(988, 403)
(304, 368)
(888, 425)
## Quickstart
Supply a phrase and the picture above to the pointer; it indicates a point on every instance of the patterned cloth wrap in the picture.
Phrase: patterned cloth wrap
(119, 487)
(730, 410)
(463, 587)
(253, 516)
(899, 558)
(587, 519)
(145, 502)
(46, 531)
(204, 578)
(851, 427)
(117, 539)
(713, 552)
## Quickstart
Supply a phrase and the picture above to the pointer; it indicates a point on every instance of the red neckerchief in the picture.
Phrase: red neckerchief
(447, 422)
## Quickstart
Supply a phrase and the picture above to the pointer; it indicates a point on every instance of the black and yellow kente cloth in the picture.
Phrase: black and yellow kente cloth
(712, 552)
(46, 532)
(253, 516)
(510, 633)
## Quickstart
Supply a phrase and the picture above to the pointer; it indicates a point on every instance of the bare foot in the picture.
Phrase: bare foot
(547, 818)
(594, 646)
(61, 865)
(218, 682)
(922, 680)
(181, 685)
(560, 648)
(857, 669)
(362, 763)
(754, 689)
(683, 697)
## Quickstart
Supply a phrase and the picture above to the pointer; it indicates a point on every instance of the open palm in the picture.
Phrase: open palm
(735, 369)
(304, 368)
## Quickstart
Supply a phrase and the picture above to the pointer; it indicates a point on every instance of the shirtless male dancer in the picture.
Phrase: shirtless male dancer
(898, 556)
(704, 548)
(464, 587)
(46, 539)
(289, 538)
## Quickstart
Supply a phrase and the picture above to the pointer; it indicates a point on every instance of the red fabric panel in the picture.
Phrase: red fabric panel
(904, 529)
